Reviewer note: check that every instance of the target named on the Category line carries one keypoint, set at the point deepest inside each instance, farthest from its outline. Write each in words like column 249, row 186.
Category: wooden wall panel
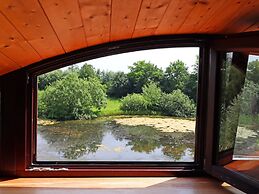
column 151, row 13
column 13, row 106
column 31, row 21
column 96, row 19
column 123, row 20
column 175, row 16
column 66, row 20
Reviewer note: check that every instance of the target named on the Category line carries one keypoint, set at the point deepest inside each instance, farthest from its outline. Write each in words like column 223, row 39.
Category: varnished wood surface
column 247, row 167
column 34, row 30
column 150, row 185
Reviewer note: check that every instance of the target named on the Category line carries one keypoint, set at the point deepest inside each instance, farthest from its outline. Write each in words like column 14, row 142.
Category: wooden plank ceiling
column 33, row 30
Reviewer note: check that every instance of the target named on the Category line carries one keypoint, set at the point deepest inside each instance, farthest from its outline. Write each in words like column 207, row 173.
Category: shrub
column 152, row 94
column 176, row 104
column 41, row 104
column 134, row 104
column 72, row 98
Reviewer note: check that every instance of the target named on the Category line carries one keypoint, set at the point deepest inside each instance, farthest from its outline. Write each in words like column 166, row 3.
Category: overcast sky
column 159, row 57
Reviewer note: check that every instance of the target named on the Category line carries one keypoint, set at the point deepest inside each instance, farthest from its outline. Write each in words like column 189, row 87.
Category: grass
column 112, row 108
column 248, row 120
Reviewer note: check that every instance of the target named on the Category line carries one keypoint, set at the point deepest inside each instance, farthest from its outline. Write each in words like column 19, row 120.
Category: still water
column 105, row 140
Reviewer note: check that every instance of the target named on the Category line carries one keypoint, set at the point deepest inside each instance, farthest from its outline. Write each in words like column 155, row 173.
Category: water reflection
column 106, row 140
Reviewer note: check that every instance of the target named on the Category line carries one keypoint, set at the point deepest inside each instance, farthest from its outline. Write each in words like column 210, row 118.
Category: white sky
column 159, row 57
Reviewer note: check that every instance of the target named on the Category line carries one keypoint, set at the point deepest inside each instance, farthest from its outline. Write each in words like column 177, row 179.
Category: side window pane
column 239, row 106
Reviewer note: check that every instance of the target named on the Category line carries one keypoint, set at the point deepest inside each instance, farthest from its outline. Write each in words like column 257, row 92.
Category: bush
column 72, row 98
column 152, row 94
column 176, row 104
column 134, row 104
column 41, row 104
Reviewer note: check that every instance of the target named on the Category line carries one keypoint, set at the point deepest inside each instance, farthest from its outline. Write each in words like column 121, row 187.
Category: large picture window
column 138, row 107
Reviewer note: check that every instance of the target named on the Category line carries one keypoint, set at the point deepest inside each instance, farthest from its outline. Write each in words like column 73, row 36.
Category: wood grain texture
column 228, row 14
column 96, row 19
column 14, row 46
column 247, row 167
column 247, row 14
column 7, row 64
column 65, row 18
column 150, row 15
column 201, row 12
column 175, row 16
column 30, row 20
column 33, row 30
column 123, row 20
column 115, row 185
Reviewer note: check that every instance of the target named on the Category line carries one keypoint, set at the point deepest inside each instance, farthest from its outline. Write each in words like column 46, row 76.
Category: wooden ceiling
column 33, row 30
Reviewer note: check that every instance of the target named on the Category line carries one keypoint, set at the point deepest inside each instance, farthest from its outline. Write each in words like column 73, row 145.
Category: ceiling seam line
column 25, row 39
column 10, row 59
column 51, row 26
column 136, row 19
column 110, row 22
column 185, row 18
column 79, row 5
column 162, row 17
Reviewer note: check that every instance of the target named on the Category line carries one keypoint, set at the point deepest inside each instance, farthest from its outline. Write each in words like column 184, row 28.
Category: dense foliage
column 239, row 100
column 72, row 98
column 177, row 104
column 76, row 93
column 134, row 104
column 154, row 101
column 142, row 73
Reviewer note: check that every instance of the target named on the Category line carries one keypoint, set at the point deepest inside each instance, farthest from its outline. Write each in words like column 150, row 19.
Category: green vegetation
column 72, row 98
column 154, row 101
column 81, row 93
column 112, row 108
column 239, row 101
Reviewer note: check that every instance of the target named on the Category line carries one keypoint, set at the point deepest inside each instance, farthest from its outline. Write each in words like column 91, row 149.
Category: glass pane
column 247, row 139
column 239, row 106
column 137, row 106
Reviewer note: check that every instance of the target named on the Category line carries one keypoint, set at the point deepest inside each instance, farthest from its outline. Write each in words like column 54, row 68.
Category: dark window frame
column 214, row 161
column 120, row 168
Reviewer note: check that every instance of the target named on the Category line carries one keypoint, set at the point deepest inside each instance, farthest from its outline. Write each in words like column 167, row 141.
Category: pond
column 107, row 139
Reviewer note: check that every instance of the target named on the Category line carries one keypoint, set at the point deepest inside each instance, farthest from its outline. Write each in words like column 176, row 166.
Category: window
column 239, row 114
column 132, row 107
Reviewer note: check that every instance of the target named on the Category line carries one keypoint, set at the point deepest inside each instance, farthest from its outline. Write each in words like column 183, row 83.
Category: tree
column 253, row 71
column 73, row 98
column 87, row 71
column 142, row 73
column 191, row 85
column 118, row 85
column 175, row 77
column 249, row 97
column 47, row 79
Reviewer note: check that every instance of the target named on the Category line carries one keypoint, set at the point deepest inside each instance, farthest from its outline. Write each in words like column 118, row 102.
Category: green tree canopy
column 253, row 71
column 73, row 98
column 47, row 79
column 87, row 71
column 118, row 85
column 142, row 73
column 191, row 85
column 175, row 77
